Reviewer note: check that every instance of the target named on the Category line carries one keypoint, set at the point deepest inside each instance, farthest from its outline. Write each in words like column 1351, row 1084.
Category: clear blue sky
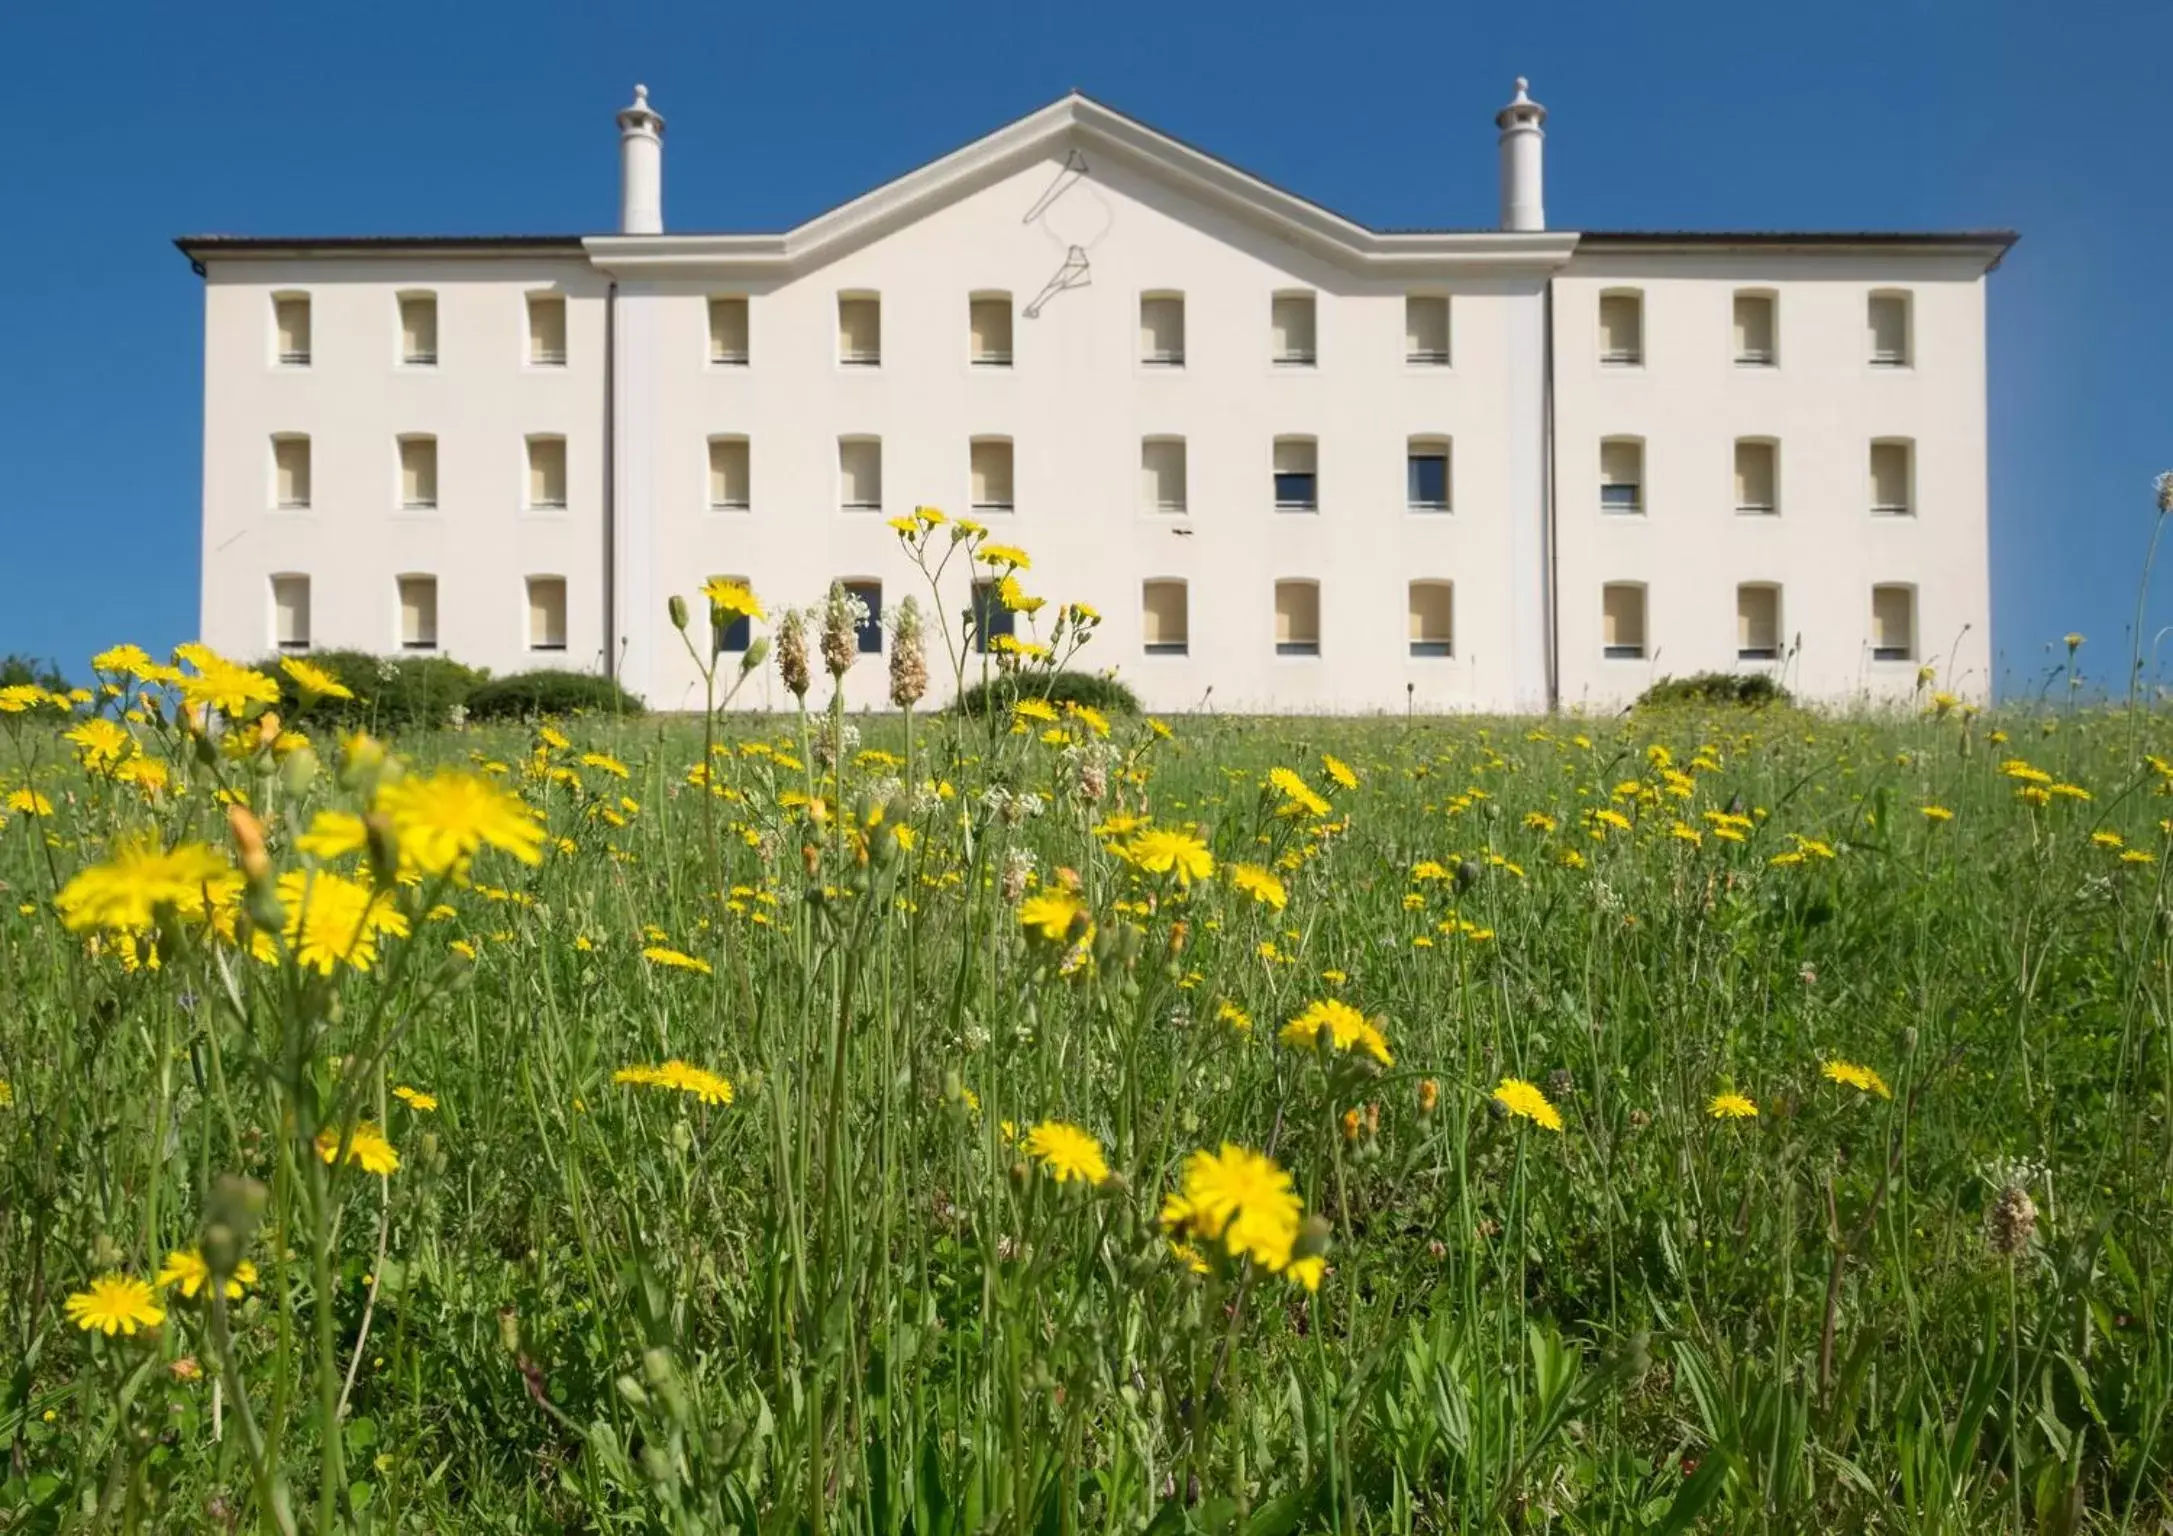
column 127, row 123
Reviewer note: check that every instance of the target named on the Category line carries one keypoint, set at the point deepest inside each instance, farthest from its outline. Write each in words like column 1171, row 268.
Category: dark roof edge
column 196, row 247
column 1997, row 241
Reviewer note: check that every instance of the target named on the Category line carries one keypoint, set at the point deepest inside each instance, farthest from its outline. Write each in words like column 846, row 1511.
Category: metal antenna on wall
column 1070, row 171
column 1074, row 273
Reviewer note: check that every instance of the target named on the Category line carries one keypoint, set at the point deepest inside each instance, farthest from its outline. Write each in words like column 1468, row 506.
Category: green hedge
column 1093, row 689
column 1750, row 690
column 526, row 695
column 405, row 693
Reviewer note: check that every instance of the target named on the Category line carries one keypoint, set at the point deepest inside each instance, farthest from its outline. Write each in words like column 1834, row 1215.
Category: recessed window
column 1622, row 329
column 419, row 330
column 1290, row 330
column 418, row 613
column 1162, row 330
column 1893, row 475
column 418, row 472
column 546, row 613
column 1893, row 623
column 1162, row 475
column 1889, row 326
column 1426, row 329
column 1622, row 620
column 547, row 474
column 290, row 326
column 989, row 460
column 731, row 478
column 1622, row 476
column 1426, row 474
column 1165, row 622
column 870, row 634
column 290, row 612
column 1757, row 622
column 860, row 474
column 1433, row 619
column 1754, row 346
column 290, row 472
column 990, row 617
column 731, row 634
column 860, row 330
column 1297, row 474
column 1757, row 476
column 1297, row 618
column 988, row 330
column 728, row 330
column 547, row 330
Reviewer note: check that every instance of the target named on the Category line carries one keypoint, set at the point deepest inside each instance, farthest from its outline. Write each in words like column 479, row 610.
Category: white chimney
column 641, row 167
column 1522, row 141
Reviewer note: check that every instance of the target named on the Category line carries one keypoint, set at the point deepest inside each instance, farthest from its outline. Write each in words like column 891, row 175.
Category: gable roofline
column 1080, row 121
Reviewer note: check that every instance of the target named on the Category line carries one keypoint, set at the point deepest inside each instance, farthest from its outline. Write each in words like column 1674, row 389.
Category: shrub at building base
column 391, row 693
column 1748, row 690
column 1093, row 689
column 526, row 695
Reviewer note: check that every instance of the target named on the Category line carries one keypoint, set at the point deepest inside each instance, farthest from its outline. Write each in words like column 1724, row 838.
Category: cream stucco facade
column 1364, row 513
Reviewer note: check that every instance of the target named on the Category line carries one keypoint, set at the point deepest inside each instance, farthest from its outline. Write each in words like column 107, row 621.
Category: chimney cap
column 1521, row 111
column 641, row 117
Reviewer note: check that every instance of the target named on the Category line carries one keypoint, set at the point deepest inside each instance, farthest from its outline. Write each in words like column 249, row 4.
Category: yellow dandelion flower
column 115, row 1304
column 1731, row 1106
column 1338, row 770
column 1179, row 853
column 1067, row 1152
column 1850, row 1075
column 1260, row 884
column 1004, row 554
column 331, row 919
column 137, row 878
column 672, row 959
column 313, row 681
column 367, row 1149
column 416, row 1099
column 186, row 1269
column 1051, row 914
column 1936, row 813
column 1332, row 1025
column 443, row 819
column 733, row 599
column 1527, row 1102
column 1035, row 709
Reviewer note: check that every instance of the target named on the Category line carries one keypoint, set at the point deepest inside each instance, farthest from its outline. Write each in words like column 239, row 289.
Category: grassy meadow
column 1732, row 1121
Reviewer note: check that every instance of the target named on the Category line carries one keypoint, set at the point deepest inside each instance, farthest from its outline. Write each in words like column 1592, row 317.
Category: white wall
column 1076, row 404
column 1824, row 403
column 355, row 400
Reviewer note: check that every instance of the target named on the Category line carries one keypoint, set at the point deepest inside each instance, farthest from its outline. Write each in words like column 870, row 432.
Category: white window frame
column 401, row 445
column 1430, row 445
column 745, row 444
column 857, row 439
column 852, row 359
column 1294, row 648
column 982, row 298
column 1908, row 504
column 1772, row 506
column 528, row 618
column 1887, row 361
column 1166, row 647
column 1163, row 359
column 1617, row 650
column 728, row 359
column 418, row 361
column 1618, row 358
column 1643, row 483
column 305, row 356
column 529, row 501
column 1422, row 648
column 1745, row 651
column 1282, row 354
column 1444, row 356
column 399, row 611
column 1908, row 650
column 530, row 356
column 974, row 448
column 1156, row 505
column 307, row 609
column 1751, row 357
column 306, row 502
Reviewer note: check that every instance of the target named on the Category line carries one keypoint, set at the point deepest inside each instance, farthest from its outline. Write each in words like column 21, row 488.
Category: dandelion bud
column 248, row 834
column 1467, row 874
column 1351, row 1121
column 267, row 728
column 1560, row 1085
column 1313, row 1234
column 1429, row 1096
column 186, row 1369
column 298, row 771
column 677, row 608
column 230, row 1216
column 792, row 654
column 384, row 849
column 509, row 1330
column 2162, row 488
column 2011, row 1222
column 755, row 654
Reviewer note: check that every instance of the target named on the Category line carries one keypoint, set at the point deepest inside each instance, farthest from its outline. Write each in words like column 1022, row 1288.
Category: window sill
column 1893, row 514
column 1758, row 655
column 418, row 645
column 1298, row 508
column 728, row 362
column 1757, row 511
column 992, row 508
column 1164, row 364
column 1622, row 364
column 292, row 508
column 1166, row 510
column 1299, row 650
column 1161, row 649
column 418, row 365
column 1432, row 650
column 1893, row 658
column 299, row 364
column 1627, row 514
column 732, row 508
column 547, row 650
column 1622, row 653
column 1299, row 363
column 1429, row 361
column 293, row 647
column 1757, row 364
column 1428, row 508
column 860, row 364
column 992, row 363
column 861, row 508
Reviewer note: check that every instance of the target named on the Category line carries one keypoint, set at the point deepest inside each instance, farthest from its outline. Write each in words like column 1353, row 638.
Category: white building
column 1296, row 463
